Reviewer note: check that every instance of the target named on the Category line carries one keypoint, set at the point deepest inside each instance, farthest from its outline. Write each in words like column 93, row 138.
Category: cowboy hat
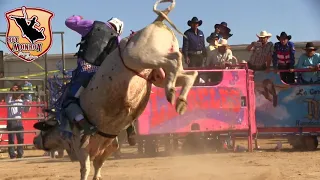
column 223, row 42
column 229, row 35
column 264, row 34
column 284, row 34
column 310, row 46
column 222, row 25
column 212, row 37
column 194, row 20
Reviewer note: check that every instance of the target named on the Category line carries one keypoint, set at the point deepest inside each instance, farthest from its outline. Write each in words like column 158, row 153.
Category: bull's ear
column 42, row 126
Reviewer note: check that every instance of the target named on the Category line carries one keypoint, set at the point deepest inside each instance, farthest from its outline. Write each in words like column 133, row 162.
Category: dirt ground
column 264, row 164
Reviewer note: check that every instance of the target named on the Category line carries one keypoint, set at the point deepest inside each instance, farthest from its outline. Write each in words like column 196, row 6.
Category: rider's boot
column 131, row 132
column 88, row 130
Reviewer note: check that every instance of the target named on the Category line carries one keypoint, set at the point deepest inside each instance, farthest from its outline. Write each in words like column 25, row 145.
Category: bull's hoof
column 181, row 106
column 171, row 95
column 97, row 178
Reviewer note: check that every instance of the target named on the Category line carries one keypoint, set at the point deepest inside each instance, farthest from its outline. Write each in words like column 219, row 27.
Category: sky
column 245, row 18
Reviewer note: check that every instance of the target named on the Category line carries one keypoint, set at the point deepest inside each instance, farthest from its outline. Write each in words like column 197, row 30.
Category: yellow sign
column 29, row 33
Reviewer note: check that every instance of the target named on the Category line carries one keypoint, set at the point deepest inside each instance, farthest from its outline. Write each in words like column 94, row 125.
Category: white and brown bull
column 120, row 90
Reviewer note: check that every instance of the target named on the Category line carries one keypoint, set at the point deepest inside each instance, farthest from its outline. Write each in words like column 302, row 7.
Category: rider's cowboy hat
column 263, row 34
column 310, row 46
column 212, row 37
column 284, row 34
column 223, row 42
column 194, row 20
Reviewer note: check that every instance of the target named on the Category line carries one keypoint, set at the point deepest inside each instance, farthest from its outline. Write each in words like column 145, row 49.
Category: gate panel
column 223, row 107
column 28, row 119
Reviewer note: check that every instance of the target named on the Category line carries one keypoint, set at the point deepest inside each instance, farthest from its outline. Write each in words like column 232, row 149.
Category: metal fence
column 39, row 105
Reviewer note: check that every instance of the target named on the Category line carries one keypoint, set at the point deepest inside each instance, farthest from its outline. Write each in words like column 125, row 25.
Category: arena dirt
column 260, row 165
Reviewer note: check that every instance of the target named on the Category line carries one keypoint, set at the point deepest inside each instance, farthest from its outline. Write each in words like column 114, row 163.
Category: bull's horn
column 162, row 15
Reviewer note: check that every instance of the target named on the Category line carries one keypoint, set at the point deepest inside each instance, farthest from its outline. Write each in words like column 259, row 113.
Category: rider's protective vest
column 98, row 43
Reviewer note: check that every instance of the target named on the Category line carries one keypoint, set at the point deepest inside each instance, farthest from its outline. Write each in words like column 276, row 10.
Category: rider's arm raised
column 79, row 25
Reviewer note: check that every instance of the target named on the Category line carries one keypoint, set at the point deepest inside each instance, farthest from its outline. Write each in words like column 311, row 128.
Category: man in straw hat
column 310, row 59
column 218, row 59
column 261, row 56
column 220, row 56
column 283, row 57
column 193, row 47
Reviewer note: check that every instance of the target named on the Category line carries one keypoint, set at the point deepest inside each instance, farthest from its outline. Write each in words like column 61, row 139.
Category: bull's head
column 49, row 137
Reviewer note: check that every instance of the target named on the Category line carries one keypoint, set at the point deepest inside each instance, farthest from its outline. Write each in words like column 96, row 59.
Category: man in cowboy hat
column 310, row 59
column 283, row 57
column 261, row 56
column 220, row 56
column 223, row 30
column 193, row 47
column 218, row 59
column 213, row 41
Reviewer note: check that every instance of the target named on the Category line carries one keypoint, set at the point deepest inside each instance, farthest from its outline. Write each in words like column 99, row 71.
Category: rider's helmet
column 117, row 23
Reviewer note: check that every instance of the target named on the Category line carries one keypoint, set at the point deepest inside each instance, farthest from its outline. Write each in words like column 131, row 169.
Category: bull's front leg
column 84, row 164
column 186, row 81
column 172, row 66
column 175, row 76
column 99, row 160
column 170, row 63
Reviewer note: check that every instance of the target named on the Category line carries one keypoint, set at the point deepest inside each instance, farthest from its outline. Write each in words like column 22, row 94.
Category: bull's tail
column 162, row 15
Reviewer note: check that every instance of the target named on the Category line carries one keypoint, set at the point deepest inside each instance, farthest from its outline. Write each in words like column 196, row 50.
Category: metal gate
column 41, row 95
column 28, row 119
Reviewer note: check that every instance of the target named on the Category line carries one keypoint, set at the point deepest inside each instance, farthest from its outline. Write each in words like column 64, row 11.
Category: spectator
column 283, row 57
column 223, row 30
column 310, row 59
column 213, row 41
column 220, row 56
column 193, row 48
column 261, row 56
column 15, row 125
column 27, row 87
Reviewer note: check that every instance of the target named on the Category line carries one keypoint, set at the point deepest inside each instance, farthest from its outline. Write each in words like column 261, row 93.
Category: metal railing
column 39, row 95
column 44, row 93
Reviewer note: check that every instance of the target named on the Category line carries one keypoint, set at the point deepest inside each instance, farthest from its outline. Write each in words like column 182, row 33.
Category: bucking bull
column 120, row 90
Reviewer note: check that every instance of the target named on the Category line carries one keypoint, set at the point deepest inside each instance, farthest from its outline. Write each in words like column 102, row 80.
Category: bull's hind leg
column 99, row 160
column 185, row 80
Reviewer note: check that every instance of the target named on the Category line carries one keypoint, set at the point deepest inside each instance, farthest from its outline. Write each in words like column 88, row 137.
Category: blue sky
column 245, row 18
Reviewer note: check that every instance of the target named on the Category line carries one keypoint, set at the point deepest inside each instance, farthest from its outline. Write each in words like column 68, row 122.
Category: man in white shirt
column 220, row 56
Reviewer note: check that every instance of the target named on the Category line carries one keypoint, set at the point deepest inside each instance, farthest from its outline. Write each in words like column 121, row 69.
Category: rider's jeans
column 71, row 103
